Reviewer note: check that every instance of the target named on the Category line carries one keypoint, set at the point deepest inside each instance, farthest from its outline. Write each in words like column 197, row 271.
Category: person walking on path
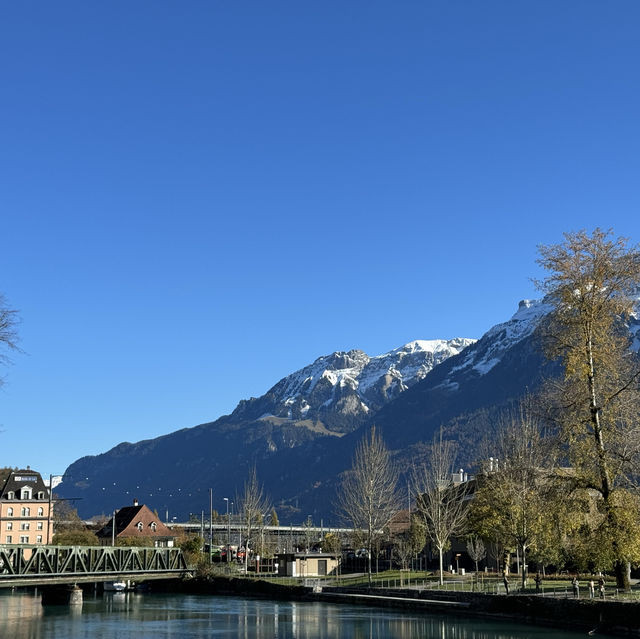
column 591, row 588
column 505, row 581
column 576, row 587
column 601, row 587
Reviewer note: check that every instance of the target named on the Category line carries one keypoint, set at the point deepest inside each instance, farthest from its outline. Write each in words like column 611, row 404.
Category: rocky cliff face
column 342, row 389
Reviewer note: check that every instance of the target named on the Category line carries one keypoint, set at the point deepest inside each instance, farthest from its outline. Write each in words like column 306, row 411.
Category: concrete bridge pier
column 63, row 595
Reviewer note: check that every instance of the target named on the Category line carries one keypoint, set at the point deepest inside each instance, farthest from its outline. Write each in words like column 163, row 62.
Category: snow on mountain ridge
column 498, row 339
column 412, row 361
column 353, row 382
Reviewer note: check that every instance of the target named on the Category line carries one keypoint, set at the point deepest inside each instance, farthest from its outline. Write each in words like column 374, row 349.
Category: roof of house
column 400, row 522
column 127, row 520
column 18, row 479
column 307, row 555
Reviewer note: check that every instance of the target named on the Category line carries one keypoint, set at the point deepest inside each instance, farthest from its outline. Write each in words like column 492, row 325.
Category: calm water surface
column 129, row 615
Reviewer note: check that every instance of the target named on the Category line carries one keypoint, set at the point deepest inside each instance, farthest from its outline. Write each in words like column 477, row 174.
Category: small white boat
column 115, row 586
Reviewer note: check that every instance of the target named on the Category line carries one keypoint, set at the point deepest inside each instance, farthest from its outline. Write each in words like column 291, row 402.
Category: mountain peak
column 342, row 388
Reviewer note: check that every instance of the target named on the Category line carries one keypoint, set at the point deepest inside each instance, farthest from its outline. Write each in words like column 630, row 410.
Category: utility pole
column 228, row 532
column 113, row 529
column 210, row 522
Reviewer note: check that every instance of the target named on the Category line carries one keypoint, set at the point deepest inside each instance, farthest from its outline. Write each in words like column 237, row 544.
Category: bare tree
column 476, row 549
column 409, row 543
column 441, row 502
column 8, row 332
column 253, row 506
column 368, row 497
column 593, row 284
column 68, row 528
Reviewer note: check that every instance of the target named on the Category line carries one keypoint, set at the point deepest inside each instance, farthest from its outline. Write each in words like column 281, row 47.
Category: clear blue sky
column 198, row 198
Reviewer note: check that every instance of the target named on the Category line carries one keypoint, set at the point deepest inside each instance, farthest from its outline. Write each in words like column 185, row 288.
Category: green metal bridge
column 56, row 565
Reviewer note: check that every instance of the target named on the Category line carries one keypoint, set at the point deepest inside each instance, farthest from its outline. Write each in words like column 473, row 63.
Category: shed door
column 322, row 566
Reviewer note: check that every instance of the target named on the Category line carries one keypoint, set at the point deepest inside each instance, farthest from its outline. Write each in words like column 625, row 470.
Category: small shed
column 307, row 564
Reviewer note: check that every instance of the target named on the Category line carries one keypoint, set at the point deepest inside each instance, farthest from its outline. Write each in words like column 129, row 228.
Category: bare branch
column 368, row 496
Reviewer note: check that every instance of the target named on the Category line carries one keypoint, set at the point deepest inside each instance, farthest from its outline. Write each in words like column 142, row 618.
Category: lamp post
column 50, row 513
column 228, row 531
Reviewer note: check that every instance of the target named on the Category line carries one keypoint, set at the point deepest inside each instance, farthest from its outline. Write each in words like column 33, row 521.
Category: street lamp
column 228, row 530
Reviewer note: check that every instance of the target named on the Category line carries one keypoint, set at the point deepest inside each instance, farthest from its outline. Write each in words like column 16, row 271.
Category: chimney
column 135, row 502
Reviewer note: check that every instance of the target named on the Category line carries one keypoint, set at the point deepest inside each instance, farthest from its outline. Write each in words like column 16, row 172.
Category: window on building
column 40, row 495
column 140, row 526
column 40, row 526
column 153, row 526
column 40, row 511
column 38, row 539
column 26, row 512
column 11, row 495
column 26, row 493
column 9, row 525
column 24, row 539
column 25, row 525
column 9, row 539
column 9, row 512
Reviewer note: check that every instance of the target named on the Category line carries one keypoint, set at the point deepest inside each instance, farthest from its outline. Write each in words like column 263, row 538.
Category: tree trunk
column 441, row 566
column 622, row 578
column 369, row 560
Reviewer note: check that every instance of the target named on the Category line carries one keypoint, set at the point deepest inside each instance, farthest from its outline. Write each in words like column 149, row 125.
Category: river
column 149, row 615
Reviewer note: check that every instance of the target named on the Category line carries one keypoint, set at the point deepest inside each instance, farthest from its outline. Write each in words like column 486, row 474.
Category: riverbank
column 589, row 615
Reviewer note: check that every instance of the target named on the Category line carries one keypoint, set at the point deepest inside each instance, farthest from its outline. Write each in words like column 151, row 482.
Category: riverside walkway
column 58, row 565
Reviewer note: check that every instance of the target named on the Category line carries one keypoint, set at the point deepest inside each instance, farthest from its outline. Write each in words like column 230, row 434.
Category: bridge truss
column 85, row 563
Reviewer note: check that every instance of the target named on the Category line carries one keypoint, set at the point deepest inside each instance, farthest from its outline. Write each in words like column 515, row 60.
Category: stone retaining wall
column 605, row 617
column 611, row 617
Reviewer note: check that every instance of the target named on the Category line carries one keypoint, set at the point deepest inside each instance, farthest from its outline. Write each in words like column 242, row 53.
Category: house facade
column 26, row 509
column 136, row 522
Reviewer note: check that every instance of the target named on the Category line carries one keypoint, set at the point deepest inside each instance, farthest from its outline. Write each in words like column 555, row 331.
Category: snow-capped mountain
column 342, row 386
column 466, row 394
column 282, row 431
column 302, row 432
column 497, row 341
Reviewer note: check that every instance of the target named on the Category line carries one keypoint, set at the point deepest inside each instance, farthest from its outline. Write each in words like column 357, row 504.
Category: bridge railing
column 75, row 560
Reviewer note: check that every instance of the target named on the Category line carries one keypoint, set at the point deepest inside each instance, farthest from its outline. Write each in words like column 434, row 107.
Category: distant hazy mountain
column 327, row 399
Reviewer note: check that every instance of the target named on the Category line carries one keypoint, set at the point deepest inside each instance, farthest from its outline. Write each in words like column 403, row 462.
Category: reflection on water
column 124, row 615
